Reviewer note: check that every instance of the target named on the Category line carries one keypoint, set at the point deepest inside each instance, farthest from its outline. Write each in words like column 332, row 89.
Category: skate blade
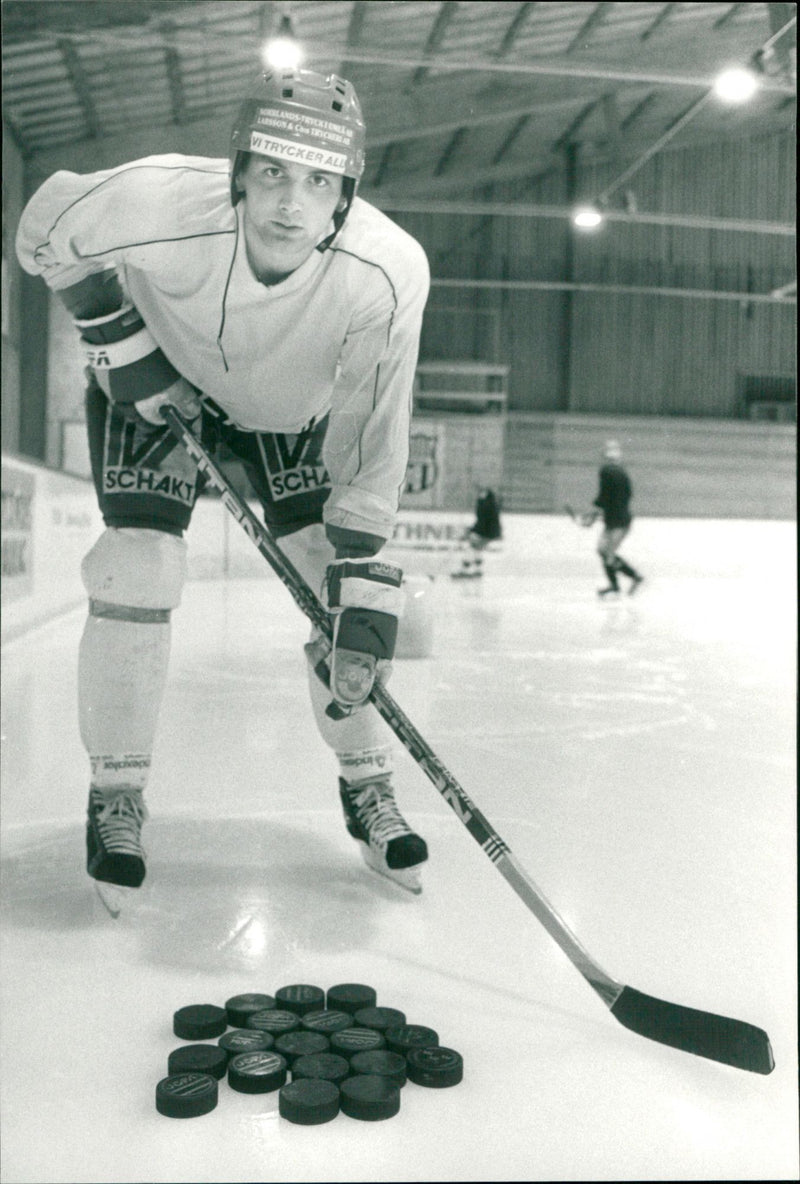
column 408, row 878
column 114, row 897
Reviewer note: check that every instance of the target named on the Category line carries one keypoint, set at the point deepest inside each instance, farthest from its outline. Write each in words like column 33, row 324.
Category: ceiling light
column 282, row 51
column 282, row 54
column 735, row 85
column 587, row 218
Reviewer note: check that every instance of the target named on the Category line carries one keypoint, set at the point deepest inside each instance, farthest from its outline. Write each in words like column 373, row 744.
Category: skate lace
column 119, row 821
column 377, row 811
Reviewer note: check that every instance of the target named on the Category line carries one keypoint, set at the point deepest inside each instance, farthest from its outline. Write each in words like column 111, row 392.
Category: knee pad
column 135, row 569
column 415, row 628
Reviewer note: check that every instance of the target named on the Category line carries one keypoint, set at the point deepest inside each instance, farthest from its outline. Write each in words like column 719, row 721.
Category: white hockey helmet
column 612, row 450
column 306, row 117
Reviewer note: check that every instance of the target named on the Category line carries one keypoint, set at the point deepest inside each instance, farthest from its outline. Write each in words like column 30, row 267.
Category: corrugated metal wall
column 625, row 354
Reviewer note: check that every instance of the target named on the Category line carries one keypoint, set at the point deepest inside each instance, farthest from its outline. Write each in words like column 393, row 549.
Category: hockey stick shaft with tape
column 732, row 1042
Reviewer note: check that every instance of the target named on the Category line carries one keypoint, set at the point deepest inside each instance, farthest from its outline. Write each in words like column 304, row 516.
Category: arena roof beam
column 513, row 30
column 444, row 17
column 499, row 209
column 173, row 65
column 355, row 27
column 723, row 20
column 81, row 85
column 516, row 129
column 553, row 69
column 455, row 141
column 566, row 136
column 661, row 19
column 594, row 19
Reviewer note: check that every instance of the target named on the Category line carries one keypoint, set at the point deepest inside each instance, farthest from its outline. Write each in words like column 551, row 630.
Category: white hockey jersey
column 339, row 335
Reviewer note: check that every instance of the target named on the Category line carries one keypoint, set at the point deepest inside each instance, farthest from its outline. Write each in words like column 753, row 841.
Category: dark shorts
column 145, row 478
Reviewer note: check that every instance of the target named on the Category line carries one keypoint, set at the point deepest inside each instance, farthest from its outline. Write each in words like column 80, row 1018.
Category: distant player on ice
column 281, row 314
column 613, row 503
column 485, row 529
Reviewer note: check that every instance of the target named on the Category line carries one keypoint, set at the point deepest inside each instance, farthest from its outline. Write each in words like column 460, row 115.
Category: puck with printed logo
column 300, row 1044
column 325, row 1065
column 276, row 1022
column 327, row 1021
column 382, row 1063
column 410, row 1036
column 434, row 1067
column 257, row 1072
column 351, row 997
column 300, row 998
column 199, row 1021
column 241, row 1006
column 353, row 1040
column 369, row 1097
column 379, row 1018
column 245, row 1040
column 308, row 1101
column 186, row 1095
column 198, row 1058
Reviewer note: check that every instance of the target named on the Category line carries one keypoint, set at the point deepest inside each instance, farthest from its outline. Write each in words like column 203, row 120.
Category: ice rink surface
column 639, row 759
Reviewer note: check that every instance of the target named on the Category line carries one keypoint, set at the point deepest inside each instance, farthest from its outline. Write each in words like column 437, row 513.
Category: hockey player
column 485, row 529
column 613, row 503
column 281, row 314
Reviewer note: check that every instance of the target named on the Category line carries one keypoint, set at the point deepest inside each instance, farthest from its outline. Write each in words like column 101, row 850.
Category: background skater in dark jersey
column 613, row 503
column 485, row 529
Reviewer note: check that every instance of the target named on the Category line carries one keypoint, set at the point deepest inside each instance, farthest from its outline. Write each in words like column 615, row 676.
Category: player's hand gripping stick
column 365, row 599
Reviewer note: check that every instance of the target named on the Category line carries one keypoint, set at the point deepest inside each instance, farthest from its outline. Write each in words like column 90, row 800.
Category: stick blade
column 732, row 1042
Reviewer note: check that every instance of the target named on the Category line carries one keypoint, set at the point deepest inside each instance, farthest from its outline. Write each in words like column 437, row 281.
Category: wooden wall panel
column 631, row 354
column 680, row 468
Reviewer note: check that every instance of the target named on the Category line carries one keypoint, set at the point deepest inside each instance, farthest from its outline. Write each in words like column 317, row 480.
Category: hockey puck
column 300, row 1044
column 275, row 1022
column 327, row 1021
column 353, row 1040
column 379, row 1018
column 186, row 1095
column 325, row 1065
column 257, row 1072
column 245, row 1040
column 350, row 997
column 241, row 1006
column 381, row 1062
column 199, row 1021
column 410, row 1036
column 369, row 1098
column 300, row 998
column 434, row 1067
column 198, row 1058
column 308, row 1101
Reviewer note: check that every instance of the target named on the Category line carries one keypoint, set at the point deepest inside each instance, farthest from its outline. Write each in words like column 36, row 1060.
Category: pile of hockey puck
column 326, row 1053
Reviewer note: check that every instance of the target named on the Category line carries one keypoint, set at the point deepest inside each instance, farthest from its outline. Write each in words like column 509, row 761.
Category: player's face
column 287, row 209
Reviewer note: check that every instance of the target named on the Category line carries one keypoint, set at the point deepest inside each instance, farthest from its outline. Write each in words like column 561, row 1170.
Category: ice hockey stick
column 716, row 1037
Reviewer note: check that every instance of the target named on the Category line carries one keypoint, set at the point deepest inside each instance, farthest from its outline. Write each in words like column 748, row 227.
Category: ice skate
column 611, row 590
column 388, row 844
column 635, row 582
column 114, row 852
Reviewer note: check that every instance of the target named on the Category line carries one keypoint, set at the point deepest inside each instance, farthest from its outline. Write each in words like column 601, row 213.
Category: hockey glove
column 365, row 600
column 126, row 360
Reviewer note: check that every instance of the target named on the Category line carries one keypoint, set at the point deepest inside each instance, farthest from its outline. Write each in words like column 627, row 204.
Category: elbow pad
column 125, row 357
